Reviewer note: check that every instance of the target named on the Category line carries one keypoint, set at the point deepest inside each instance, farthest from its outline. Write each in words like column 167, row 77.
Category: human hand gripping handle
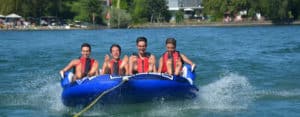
column 61, row 72
column 194, row 66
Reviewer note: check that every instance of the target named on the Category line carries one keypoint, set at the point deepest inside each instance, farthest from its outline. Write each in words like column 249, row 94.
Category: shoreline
column 153, row 25
column 210, row 24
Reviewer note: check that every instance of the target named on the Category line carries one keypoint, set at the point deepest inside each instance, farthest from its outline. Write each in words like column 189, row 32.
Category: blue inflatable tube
column 139, row 88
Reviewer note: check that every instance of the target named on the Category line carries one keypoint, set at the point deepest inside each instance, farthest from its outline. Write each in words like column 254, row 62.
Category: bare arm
column 185, row 59
column 105, row 64
column 103, row 68
column 160, row 65
column 125, row 64
column 68, row 67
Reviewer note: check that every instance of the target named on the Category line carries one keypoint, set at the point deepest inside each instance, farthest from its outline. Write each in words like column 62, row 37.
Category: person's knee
column 125, row 58
column 169, row 62
column 179, row 63
column 133, row 58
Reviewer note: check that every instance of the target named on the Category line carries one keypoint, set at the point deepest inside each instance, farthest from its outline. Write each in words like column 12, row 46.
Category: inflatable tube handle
column 66, row 80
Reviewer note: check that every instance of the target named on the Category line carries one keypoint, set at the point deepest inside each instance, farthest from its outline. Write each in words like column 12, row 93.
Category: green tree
column 179, row 16
column 217, row 8
column 277, row 11
column 157, row 11
column 119, row 18
column 87, row 10
column 124, row 4
column 139, row 12
column 93, row 8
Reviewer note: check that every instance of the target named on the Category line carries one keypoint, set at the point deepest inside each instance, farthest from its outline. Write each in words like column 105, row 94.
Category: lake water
column 242, row 71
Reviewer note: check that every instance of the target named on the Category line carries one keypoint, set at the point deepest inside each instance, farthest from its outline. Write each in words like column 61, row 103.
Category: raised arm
column 125, row 64
column 105, row 65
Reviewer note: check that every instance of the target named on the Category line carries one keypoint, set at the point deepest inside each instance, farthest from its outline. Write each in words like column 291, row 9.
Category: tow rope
column 124, row 79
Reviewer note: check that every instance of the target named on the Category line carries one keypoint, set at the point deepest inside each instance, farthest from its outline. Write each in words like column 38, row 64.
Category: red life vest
column 114, row 69
column 86, row 65
column 143, row 63
column 174, row 56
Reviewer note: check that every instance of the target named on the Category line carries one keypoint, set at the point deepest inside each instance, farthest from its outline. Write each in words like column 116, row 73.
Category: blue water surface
column 242, row 71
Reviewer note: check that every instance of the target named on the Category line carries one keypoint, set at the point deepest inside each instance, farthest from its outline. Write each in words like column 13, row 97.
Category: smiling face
column 170, row 47
column 85, row 52
column 115, row 52
column 141, row 45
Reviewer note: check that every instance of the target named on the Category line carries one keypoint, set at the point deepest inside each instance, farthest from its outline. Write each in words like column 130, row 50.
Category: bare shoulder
column 75, row 61
column 95, row 61
column 182, row 55
column 152, row 56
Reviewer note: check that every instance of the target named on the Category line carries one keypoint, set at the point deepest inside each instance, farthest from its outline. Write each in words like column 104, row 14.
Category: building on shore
column 192, row 8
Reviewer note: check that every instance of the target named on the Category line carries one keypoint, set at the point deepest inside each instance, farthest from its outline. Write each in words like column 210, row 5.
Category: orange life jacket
column 143, row 63
column 174, row 56
column 115, row 65
column 86, row 65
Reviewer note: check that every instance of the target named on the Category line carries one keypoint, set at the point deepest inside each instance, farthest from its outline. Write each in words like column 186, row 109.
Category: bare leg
column 78, row 74
column 124, row 70
column 160, row 64
column 132, row 64
column 169, row 66
column 152, row 67
column 178, row 67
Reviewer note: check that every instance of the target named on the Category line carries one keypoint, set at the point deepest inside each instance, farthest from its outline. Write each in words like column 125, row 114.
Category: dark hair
column 86, row 45
column 144, row 39
column 171, row 41
column 115, row 45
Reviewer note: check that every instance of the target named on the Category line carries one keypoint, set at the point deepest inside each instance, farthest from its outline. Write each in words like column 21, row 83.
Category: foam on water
column 49, row 96
column 230, row 92
column 45, row 93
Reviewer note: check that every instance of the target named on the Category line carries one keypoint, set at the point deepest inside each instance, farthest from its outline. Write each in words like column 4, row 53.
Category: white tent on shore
column 2, row 16
column 13, row 15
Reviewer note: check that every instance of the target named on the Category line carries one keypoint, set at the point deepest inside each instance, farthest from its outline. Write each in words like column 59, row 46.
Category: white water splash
column 45, row 93
column 49, row 96
column 231, row 92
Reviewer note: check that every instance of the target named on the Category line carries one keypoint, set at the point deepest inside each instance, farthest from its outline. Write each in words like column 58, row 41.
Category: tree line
column 278, row 11
column 93, row 11
column 84, row 10
column 126, row 12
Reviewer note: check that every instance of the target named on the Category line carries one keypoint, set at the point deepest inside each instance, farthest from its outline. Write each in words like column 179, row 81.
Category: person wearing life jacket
column 83, row 66
column 171, row 61
column 142, row 61
column 115, row 66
